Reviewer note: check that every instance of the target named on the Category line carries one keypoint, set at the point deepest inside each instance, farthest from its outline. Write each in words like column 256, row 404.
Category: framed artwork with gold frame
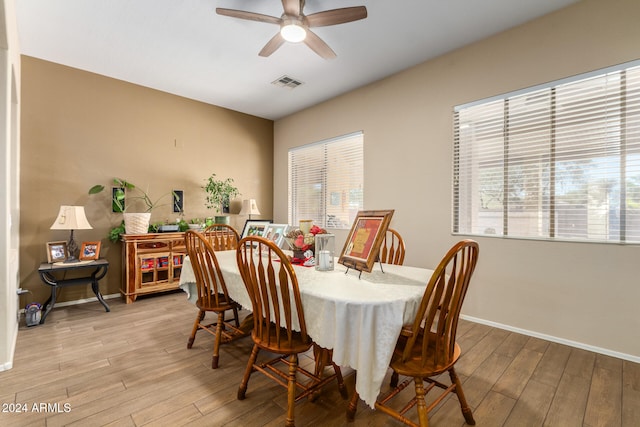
column 362, row 247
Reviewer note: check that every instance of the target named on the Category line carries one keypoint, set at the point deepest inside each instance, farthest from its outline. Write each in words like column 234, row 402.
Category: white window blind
column 555, row 162
column 326, row 181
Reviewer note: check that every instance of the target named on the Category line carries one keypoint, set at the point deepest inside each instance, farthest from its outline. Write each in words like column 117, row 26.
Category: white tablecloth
column 359, row 318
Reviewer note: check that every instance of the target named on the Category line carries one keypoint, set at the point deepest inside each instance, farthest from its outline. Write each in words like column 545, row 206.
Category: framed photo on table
column 362, row 247
column 57, row 251
column 254, row 227
column 89, row 251
column 276, row 233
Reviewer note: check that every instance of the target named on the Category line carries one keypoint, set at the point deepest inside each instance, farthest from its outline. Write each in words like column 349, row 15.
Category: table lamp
column 249, row 207
column 71, row 218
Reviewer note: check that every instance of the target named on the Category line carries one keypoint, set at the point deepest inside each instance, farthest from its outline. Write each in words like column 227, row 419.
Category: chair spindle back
column 273, row 288
column 437, row 318
column 212, row 290
column 392, row 250
column 222, row 237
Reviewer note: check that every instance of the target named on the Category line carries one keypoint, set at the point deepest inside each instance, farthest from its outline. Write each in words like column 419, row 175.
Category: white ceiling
column 183, row 47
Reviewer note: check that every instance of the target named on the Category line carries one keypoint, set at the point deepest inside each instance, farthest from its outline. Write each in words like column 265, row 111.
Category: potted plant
column 134, row 223
column 219, row 195
column 196, row 224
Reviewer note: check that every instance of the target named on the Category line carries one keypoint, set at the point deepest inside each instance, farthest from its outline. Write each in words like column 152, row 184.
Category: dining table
column 358, row 315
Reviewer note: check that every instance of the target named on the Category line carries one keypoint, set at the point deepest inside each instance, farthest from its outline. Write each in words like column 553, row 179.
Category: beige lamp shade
column 249, row 207
column 71, row 218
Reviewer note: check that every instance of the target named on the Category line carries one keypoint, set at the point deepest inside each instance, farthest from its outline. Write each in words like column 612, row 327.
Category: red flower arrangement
column 301, row 242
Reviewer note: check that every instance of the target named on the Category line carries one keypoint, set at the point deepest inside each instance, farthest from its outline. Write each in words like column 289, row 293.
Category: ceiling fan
column 294, row 25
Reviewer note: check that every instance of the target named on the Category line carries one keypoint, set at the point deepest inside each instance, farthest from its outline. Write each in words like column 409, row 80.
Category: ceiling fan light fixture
column 292, row 31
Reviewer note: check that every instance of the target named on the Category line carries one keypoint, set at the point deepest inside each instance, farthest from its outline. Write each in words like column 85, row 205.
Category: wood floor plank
column 493, row 410
column 512, row 345
column 532, row 405
column 114, row 374
column 581, row 363
column 630, row 393
column 604, row 406
column 478, row 385
column 552, row 365
column 177, row 418
column 515, row 377
column 475, row 355
column 569, row 403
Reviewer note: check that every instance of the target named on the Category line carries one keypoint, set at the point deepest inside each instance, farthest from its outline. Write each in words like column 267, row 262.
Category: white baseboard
column 81, row 301
column 551, row 338
column 85, row 300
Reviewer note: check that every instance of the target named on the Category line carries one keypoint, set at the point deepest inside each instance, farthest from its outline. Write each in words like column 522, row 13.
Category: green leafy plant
column 115, row 232
column 124, row 187
column 183, row 225
column 219, row 192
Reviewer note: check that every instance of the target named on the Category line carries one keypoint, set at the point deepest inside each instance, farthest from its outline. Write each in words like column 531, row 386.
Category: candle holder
column 325, row 244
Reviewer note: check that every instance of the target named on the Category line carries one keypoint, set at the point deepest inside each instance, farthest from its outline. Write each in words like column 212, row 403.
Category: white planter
column 137, row 223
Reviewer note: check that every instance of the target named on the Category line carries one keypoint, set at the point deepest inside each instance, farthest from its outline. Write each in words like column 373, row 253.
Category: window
column 326, row 181
column 557, row 162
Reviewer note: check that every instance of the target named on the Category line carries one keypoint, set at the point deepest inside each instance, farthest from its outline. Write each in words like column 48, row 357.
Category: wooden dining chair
column 222, row 237
column 392, row 249
column 427, row 347
column 279, row 324
column 212, row 295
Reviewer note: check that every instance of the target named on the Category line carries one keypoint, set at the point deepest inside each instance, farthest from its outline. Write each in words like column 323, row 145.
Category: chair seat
column 416, row 365
column 298, row 343
column 224, row 304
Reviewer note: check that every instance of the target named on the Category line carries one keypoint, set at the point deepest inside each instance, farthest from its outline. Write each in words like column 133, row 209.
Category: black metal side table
column 48, row 275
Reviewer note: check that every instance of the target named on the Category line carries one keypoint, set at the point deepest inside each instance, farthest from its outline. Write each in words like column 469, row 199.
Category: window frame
column 327, row 194
column 594, row 154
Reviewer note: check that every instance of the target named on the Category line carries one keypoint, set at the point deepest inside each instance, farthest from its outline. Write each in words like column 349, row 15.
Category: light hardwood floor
column 131, row 367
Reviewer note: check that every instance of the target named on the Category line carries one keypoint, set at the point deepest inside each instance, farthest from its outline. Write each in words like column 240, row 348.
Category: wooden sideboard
column 151, row 263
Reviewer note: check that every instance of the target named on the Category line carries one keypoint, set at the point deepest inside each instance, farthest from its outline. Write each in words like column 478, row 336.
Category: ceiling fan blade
column 272, row 45
column 251, row 16
column 337, row 16
column 318, row 45
column 292, row 7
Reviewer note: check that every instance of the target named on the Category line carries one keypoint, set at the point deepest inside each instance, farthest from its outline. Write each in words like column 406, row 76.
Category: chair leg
column 242, row 390
column 464, row 406
column 291, row 390
column 192, row 338
column 235, row 315
column 423, row 414
column 216, row 344
column 352, row 407
column 341, row 387
column 394, row 379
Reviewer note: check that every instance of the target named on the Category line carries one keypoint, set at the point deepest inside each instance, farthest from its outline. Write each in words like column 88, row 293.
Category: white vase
column 137, row 223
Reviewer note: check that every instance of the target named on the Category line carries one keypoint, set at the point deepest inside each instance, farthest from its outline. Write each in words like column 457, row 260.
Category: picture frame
column 276, row 233
column 362, row 247
column 57, row 251
column 89, row 251
column 254, row 227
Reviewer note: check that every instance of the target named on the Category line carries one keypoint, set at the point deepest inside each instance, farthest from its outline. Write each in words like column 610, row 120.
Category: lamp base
column 72, row 249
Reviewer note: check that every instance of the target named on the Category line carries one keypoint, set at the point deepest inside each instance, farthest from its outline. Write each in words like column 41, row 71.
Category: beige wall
column 81, row 129
column 584, row 294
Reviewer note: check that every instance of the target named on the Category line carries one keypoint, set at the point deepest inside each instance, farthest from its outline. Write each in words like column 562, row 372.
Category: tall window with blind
column 556, row 162
column 326, row 181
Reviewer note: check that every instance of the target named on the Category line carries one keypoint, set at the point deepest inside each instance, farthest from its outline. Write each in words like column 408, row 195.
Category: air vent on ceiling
column 286, row 81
